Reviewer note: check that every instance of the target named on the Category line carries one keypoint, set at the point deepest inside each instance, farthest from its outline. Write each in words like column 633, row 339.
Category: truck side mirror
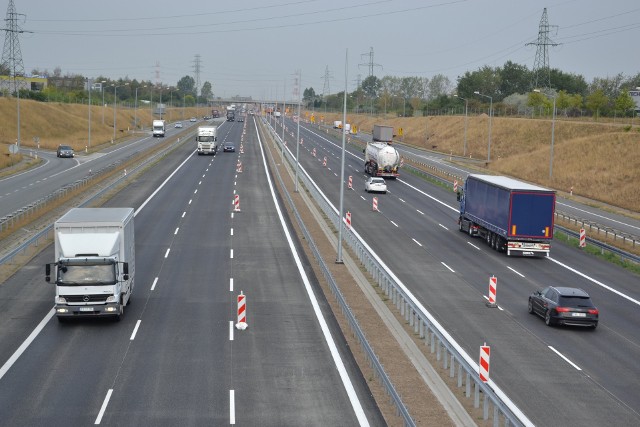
column 458, row 196
column 125, row 270
column 47, row 272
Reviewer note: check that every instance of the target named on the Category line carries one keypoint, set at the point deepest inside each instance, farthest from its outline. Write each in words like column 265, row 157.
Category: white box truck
column 94, row 267
column 158, row 128
column 207, row 140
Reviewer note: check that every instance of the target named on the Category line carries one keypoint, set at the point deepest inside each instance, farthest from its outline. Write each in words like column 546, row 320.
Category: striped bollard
column 375, row 204
column 314, row 152
column 239, row 166
column 583, row 238
column 301, row 141
column 493, row 284
column 348, row 219
column 241, row 149
column 324, row 162
column 483, row 368
column 242, row 312
column 350, row 182
column 236, row 203
column 455, row 185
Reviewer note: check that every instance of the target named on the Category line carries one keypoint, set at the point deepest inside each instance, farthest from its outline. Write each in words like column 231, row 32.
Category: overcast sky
column 252, row 47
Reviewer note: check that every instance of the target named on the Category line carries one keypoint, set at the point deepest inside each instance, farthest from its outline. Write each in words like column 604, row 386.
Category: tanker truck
column 380, row 158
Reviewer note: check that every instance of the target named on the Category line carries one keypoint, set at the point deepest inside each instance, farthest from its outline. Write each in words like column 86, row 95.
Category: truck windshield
column 87, row 274
column 206, row 138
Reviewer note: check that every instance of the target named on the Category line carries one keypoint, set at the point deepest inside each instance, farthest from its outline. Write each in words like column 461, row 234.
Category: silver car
column 376, row 184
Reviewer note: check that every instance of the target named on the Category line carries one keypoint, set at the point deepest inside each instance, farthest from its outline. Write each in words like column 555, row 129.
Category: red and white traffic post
column 239, row 166
column 348, row 219
column 493, row 284
column 375, row 204
column 324, row 161
column 483, row 366
column 314, row 152
column 236, row 203
column 242, row 312
column 583, row 238
column 455, row 185
column 350, row 182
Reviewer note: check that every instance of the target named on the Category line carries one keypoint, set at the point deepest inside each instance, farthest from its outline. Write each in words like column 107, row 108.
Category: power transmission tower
column 196, row 72
column 157, row 73
column 541, row 69
column 370, row 64
column 11, row 54
column 326, row 89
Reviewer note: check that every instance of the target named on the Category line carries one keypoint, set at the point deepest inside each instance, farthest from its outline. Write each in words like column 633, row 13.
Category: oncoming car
column 376, row 184
column 564, row 306
column 229, row 146
column 64, row 151
column 193, row 119
column 178, row 125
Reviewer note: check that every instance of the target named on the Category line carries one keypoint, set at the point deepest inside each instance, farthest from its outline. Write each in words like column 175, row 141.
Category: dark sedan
column 564, row 306
column 64, row 151
column 229, row 146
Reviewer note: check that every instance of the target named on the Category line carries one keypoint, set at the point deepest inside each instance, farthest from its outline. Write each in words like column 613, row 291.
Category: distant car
column 229, row 146
column 193, row 119
column 376, row 184
column 241, row 119
column 564, row 306
column 206, row 118
column 178, row 125
column 64, row 151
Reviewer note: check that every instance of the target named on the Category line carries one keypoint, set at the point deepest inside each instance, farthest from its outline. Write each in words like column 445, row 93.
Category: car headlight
column 111, row 298
column 61, row 300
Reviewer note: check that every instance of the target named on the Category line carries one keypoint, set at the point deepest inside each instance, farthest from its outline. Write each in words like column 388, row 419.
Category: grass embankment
column 601, row 161
column 54, row 124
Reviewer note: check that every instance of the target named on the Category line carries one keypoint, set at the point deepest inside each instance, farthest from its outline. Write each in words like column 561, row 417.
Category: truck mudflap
column 536, row 249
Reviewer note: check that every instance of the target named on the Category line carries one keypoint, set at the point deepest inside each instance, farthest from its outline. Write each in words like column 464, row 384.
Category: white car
column 376, row 184
column 178, row 125
column 192, row 119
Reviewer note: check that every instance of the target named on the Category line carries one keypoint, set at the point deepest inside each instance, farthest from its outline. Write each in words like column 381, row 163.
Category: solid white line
column 104, row 406
column 231, row 284
column 232, row 407
column 183, row 214
column 176, row 232
column 231, row 330
column 167, row 253
column 519, row 274
column 609, row 288
column 565, row 359
column 393, row 223
column 450, row 269
column 32, row 336
column 419, row 211
column 418, row 243
column 443, row 227
column 469, row 243
column 153, row 286
column 231, row 254
column 598, row 215
column 135, row 330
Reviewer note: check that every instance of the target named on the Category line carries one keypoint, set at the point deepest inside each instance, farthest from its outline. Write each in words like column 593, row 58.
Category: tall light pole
column 466, row 120
column 115, row 101
column 553, row 130
column 103, row 106
column 490, row 119
column 135, row 108
column 89, row 87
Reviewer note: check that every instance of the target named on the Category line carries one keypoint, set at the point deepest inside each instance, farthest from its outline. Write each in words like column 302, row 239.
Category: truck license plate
column 86, row 308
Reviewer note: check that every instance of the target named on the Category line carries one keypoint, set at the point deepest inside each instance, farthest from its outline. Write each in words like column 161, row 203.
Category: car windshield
column 206, row 138
column 377, row 181
column 102, row 274
column 65, row 147
column 575, row 302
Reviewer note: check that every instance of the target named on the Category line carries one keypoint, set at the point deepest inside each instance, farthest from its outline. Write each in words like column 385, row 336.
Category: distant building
column 635, row 95
column 23, row 83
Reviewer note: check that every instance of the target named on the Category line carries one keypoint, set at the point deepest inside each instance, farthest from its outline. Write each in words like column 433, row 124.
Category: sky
column 255, row 47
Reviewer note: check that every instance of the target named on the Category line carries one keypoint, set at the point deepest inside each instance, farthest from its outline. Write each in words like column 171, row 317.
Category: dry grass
column 55, row 123
column 601, row 161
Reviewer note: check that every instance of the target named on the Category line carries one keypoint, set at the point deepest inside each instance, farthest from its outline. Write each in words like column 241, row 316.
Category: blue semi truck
column 511, row 216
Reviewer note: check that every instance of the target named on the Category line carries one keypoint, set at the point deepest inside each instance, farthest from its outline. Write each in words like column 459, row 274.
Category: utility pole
column 326, row 89
column 370, row 65
column 541, row 70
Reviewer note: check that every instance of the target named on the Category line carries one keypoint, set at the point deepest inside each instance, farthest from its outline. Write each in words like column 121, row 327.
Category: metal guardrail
column 401, row 409
column 453, row 357
column 35, row 240
column 608, row 232
column 600, row 245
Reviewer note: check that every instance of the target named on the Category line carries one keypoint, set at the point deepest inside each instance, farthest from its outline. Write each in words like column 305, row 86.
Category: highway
column 565, row 376
column 176, row 357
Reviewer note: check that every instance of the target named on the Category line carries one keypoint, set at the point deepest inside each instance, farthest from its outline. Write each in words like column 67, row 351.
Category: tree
column 189, row 100
column 371, row 86
column 597, row 101
column 309, row 96
column 187, row 85
column 514, row 78
column 438, row 85
column 207, row 91
column 624, row 102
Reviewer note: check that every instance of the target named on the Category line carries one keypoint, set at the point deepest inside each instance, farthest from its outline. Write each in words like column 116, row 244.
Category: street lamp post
column 89, row 87
column 115, row 101
column 490, row 119
column 135, row 108
column 553, row 130
column 466, row 120
column 102, row 89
